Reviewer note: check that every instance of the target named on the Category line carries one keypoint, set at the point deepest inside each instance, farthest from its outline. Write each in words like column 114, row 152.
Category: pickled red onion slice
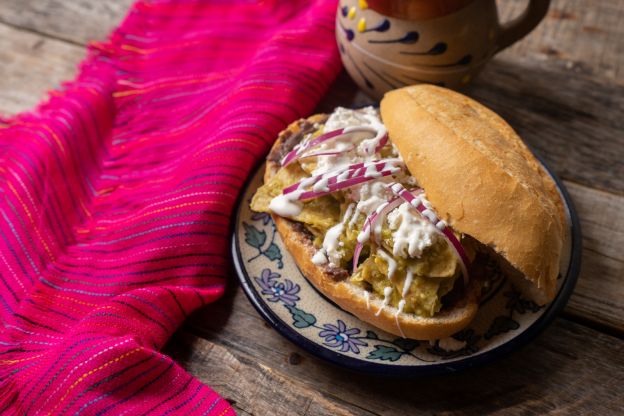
column 440, row 225
column 347, row 177
column 337, row 186
column 345, row 171
column 369, row 226
column 329, row 153
column 299, row 151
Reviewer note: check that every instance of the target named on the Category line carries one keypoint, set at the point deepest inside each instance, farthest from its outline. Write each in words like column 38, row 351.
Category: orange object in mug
column 386, row 44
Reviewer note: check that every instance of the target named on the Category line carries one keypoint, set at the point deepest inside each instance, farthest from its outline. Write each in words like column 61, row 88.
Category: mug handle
column 523, row 24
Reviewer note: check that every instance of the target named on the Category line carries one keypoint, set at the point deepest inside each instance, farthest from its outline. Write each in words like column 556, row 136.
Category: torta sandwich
column 397, row 214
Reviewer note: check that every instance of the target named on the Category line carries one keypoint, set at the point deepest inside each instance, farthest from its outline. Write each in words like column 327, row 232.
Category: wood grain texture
column 580, row 36
column 75, row 21
column 31, row 65
column 569, row 369
column 587, row 40
column 599, row 292
column 567, row 105
column 252, row 387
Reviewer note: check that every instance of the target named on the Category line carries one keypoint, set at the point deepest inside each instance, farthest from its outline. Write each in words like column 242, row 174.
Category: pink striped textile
column 117, row 196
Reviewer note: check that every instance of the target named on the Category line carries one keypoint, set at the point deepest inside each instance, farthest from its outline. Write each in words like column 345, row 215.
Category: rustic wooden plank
column 31, row 65
column 599, row 294
column 574, row 122
column 75, row 21
column 569, row 369
column 592, row 303
column 251, row 387
column 581, row 36
column 602, row 218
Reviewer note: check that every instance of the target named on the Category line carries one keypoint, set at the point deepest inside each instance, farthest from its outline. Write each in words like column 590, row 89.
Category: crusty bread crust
column 351, row 297
column 481, row 178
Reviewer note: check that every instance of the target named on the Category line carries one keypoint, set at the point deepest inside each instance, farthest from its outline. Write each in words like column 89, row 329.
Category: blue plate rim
column 410, row 371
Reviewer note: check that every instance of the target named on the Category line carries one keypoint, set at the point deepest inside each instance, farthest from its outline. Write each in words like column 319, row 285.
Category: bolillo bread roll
column 480, row 179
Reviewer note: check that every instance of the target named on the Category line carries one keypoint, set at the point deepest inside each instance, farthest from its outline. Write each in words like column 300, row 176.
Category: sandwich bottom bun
column 352, row 299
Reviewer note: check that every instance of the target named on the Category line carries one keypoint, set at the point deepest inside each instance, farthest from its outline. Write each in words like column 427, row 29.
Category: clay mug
column 386, row 44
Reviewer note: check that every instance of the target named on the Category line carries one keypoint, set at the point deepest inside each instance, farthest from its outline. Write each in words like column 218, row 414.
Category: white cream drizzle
column 348, row 213
column 345, row 118
column 396, row 316
column 412, row 234
column 430, row 215
column 322, row 185
column 409, row 276
column 330, row 250
column 371, row 194
column 355, row 217
column 364, row 235
column 392, row 264
column 379, row 221
column 331, row 244
column 387, row 294
column 319, row 258
column 367, row 297
column 287, row 205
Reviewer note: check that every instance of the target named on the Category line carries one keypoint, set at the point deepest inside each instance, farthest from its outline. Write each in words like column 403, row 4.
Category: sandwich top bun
column 480, row 178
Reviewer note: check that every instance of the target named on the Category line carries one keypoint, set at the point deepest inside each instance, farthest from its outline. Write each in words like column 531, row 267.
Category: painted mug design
column 446, row 46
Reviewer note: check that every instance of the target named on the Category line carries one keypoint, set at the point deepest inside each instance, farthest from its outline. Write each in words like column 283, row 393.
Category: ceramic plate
column 280, row 293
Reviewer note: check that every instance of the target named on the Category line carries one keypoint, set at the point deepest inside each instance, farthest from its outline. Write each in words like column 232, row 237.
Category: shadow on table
column 522, row 380
column 216, row 315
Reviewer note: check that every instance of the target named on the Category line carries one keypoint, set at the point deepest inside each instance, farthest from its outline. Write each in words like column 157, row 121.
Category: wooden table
column 562, row 88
